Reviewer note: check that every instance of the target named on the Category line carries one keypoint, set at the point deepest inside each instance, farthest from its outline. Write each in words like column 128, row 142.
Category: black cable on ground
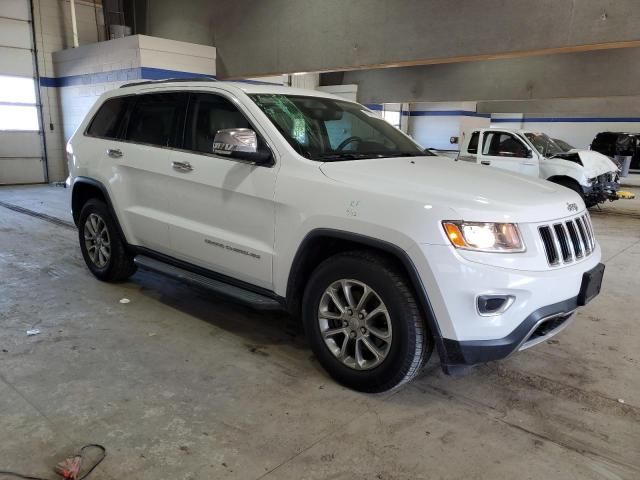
column 103, row 454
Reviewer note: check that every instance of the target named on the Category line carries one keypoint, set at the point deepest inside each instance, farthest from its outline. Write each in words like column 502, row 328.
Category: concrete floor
column 177, row 384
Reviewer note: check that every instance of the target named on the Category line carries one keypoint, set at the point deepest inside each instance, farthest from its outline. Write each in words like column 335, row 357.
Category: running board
column 247, row 297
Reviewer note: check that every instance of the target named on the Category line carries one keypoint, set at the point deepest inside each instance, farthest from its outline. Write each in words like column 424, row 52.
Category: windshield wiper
column 336, row 157
column 406, row 154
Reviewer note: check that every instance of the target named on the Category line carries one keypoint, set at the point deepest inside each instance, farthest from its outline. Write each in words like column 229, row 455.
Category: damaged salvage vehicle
column 281, row 198
column 590, row 174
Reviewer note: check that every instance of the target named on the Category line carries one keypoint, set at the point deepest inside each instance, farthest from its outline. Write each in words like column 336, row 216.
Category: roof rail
column 169, row 80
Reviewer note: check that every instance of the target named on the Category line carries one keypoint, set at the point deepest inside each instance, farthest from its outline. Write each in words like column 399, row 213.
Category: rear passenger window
column 207, row 115
column 107, row 122
column 157, row 119
column 473, row 143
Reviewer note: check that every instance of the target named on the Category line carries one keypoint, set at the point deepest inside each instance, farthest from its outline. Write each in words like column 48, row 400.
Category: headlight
column 484, row 237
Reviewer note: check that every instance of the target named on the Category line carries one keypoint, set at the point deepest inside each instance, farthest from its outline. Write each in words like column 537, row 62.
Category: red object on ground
column 69, row 467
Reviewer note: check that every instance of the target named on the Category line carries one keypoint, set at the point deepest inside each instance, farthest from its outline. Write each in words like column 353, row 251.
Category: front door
column 506, row 151
column 223, row 209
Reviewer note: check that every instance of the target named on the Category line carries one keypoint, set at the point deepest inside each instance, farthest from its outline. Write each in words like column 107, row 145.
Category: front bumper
column 602, row 191
column 541, row 325
column 544, row 301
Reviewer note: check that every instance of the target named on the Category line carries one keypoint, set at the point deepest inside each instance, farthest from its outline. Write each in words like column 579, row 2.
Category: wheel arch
column 83, row 190
column 564, row 178
column 322, row 243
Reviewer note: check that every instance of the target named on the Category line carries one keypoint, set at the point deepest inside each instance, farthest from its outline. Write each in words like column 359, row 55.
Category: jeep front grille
column 568, row 241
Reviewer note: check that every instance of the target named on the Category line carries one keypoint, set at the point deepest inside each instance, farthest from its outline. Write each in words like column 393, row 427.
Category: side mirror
column 241, row 143
column 529, row 153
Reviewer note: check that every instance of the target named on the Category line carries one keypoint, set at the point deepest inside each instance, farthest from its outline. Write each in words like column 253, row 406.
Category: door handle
column 114, row 152
column 485, row 162
column 182, row 166
column 528, row 163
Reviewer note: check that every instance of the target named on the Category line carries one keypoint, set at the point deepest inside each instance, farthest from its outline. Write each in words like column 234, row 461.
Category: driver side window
column 207, row 114
column 502, row 144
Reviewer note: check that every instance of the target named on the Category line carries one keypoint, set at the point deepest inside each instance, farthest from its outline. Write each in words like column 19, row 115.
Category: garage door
column 21, row 152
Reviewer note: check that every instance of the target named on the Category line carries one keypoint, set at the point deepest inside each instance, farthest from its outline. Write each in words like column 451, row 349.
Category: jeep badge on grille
column 572, row 207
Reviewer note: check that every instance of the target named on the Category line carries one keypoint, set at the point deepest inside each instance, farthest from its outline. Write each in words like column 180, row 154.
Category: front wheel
column 575, row 186
column 102, row 247
column 363, row 322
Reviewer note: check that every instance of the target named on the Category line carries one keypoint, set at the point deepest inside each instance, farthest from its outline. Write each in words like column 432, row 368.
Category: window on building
column 18, row 108
column 392, row 112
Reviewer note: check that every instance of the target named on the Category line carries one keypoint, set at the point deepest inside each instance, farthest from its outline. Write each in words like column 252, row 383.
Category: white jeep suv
column 295, row 199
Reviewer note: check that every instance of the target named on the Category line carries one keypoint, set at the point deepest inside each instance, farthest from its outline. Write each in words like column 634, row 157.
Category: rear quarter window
column 473, row 143
column 107, row 122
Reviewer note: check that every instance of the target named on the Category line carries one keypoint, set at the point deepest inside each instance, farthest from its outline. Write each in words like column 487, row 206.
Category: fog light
column 494, row 304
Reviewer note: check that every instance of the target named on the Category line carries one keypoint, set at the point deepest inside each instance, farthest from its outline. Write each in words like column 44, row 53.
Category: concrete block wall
column 52, row 21
column 80, row 75
column 83, row 74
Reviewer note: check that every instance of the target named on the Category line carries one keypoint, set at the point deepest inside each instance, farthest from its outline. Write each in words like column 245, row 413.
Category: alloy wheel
column 97, row 240
column 355, row 324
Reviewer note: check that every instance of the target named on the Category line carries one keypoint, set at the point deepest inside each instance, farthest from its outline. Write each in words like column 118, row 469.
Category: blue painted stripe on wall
column 374, row 106
column 121, row 75
column 151, row 73
column 129, row 74
column 567, row 120
column 447, row 113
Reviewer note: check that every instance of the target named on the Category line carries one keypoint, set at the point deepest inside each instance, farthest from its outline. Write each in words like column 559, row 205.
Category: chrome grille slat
column 583, row 247
column 562, row 243
column 572, row 247
column 583, row 236
column 557, row 243
column 589, row 227
column 568, row 241
column 549, row 245
column 575, row 238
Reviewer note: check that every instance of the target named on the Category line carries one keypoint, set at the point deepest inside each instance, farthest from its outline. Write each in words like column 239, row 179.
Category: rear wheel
column 102, row 247
column 363, row 322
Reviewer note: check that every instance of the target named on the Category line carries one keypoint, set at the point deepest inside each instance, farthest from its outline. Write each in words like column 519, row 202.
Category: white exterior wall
column 349, row 92
column 83, row 74
column 310, row 81
column 578, row 132
column 52, row 19
column 113, row 63
column 433, row 124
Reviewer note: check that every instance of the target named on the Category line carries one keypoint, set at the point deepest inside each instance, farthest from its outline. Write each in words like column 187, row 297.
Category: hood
column 594, row 163
column 474, row 192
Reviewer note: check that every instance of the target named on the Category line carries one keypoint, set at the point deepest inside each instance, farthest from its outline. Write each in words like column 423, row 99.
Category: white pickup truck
column 592, row 175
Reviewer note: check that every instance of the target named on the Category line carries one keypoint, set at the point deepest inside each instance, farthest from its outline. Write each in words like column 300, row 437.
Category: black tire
column 119, row 265
column 411, row 344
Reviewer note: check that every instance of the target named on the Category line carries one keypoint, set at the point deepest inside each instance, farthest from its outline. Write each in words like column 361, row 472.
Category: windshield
column 544, row 144
column 325, row 129
column 563, row 145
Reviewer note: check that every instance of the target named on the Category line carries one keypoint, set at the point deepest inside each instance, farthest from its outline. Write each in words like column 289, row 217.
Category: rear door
column 222, row 209
column 140, row 166
column 507, row 151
